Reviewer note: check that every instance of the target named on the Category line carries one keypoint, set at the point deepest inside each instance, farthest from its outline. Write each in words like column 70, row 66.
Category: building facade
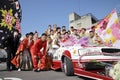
column 85, row 21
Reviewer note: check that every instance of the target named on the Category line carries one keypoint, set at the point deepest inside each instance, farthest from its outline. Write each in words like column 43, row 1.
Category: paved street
column 30, row 75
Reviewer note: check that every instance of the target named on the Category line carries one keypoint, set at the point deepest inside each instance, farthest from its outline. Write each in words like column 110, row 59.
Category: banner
column 109, row 29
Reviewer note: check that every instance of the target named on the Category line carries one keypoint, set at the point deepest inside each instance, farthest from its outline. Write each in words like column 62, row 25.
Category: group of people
column 83, row 37
column 30, row 51
column 32, row 48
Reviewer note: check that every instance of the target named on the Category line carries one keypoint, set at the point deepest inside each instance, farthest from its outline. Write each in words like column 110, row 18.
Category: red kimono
column 23, row 45
column 36, row 53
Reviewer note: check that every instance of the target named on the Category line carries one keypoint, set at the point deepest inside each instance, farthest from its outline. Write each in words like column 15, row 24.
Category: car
column 90, row 62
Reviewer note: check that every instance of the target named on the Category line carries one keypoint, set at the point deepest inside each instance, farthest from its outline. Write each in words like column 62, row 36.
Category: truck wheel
column 68, row 67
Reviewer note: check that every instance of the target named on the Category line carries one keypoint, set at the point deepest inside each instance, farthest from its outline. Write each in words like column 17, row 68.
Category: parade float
column 91, row 62
column 95, row 62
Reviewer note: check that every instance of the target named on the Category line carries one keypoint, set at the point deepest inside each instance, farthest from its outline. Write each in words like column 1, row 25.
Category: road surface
column 31, row 75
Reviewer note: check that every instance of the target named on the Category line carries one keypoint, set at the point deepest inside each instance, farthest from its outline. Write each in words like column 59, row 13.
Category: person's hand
column 35, row 57
column 16, row 54
column 5, row 48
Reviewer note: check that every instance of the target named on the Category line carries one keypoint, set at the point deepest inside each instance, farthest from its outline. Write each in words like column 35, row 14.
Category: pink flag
column 109, row 29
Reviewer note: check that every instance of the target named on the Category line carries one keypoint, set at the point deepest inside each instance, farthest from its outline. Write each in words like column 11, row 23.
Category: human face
column 52, row 32
column 72, row 29
column 49, row 27
column 91, row 34
column 55, row 28
column 36, row 35
column 75, row 31
column 66, row 34
column 63, row 28
column 43, row 38
column 63, row 32
column 58, row 35
column 49, row 40
column 59, row 30
column 83, row 31
column 30, row 37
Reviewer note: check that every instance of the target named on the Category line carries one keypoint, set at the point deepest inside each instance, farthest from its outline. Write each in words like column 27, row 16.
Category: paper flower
column 8, row 19
column 115, row 71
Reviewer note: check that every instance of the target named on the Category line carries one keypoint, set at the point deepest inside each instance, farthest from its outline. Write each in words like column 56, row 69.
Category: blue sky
column 38, row 14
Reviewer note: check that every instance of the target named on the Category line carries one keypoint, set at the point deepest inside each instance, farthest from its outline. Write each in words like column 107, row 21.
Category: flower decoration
column 115, row 71
column 8, row 19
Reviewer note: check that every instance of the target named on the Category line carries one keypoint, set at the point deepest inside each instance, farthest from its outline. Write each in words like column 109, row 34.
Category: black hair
column 91, row 31
column 83, row 29
column 58, row 28
column 31, row 33
column 93, row 27
column 43, row 34
column 27, row 34
column 49, row 25
column 71, row 27
column 51, row 30
column 68, row 30
column 65, row 33
column 75, row 29
column 16, row 31
column 63, row 30
column 36, row 32
column 58, row 33
column 63, row 26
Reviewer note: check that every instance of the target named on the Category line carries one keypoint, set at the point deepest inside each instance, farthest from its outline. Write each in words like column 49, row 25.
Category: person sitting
column 98, row 40
column 56, row 40
column 49, row 46
column 75, row 34
column 71, row 29
column 52, row 34
column 83, row 33
column 94, row 39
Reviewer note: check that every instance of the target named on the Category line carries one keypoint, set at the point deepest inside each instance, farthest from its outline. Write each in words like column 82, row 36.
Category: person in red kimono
column 35, row 36
column 22, row 60
column 38, row 50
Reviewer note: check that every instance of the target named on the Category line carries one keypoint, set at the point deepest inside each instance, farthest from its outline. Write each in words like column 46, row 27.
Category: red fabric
column 46, row 63
column 15, row 61
column 23, row 45
column 35, row 51
column 36, row 58
column 39, row 45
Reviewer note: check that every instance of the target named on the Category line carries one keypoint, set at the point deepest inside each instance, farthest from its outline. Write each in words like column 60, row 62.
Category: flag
column 109, row 29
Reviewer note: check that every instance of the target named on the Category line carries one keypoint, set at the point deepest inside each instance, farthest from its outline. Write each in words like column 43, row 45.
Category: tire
column 67, row 67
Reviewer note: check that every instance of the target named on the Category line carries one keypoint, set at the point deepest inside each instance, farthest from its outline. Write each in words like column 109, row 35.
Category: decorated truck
column 90, row 62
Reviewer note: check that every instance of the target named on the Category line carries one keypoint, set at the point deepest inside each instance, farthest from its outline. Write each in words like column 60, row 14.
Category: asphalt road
column 30, row 75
